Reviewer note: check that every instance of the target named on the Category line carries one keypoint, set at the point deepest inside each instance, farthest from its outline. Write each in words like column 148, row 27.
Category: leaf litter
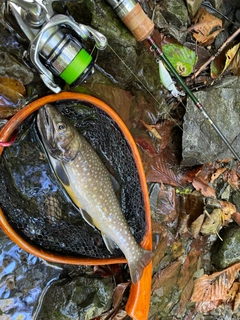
column 181, row 239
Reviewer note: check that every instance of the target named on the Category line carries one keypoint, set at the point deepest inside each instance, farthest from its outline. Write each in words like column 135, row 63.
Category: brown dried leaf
column 228, row 209
column 232, row 178
column 152, row 129
column 233, row 291
column 159, row 252
column 217, row 174
column 164, row 129
column 207, row 306
column 167, row 277
column 236, row 217
column 196, row 226
column 215, row 287
column 120, row 100
column 118, row 294
column 144, row 141
column 235, row 66
column 12, row 89
column 200, row 184
column 106, row 271
column 237, row 299
column 212, row 223
column 204, row 28
column 160, row 171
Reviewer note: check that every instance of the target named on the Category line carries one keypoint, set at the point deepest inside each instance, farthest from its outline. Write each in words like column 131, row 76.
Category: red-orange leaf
column 216, row 286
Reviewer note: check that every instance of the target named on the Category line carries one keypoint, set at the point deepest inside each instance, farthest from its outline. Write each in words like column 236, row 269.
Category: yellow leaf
column 11, row 89
column 152, row 129
column 230, row 55
column 212, row 223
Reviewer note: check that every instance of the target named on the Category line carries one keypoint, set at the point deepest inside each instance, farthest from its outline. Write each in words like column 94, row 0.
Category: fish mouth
column 45, row 124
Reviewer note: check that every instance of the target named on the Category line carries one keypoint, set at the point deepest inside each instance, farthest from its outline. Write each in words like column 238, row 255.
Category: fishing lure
column 167, row 80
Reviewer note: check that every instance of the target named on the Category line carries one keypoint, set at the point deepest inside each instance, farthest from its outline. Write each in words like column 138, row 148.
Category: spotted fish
column 87, row 182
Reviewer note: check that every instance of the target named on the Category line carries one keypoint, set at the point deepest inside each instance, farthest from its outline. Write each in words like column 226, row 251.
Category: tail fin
column 136, row 267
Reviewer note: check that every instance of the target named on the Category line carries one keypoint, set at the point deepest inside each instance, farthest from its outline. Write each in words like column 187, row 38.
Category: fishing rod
column 142, row 27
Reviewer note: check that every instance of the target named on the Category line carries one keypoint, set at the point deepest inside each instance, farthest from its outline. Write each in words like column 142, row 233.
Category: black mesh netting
column 35, row 204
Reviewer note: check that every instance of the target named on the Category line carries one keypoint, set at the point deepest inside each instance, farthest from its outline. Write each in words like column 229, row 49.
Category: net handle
column 139, row 298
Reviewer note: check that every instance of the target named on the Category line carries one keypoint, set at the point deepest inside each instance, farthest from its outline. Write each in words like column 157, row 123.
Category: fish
column 87, row 182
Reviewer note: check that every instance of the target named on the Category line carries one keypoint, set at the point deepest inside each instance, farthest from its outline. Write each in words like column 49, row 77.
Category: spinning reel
column 56, row 46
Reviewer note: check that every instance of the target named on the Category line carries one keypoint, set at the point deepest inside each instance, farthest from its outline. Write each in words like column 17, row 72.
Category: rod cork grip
column 138, row 23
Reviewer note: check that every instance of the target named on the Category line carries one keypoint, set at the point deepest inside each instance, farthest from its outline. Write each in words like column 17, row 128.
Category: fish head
column 59, row 136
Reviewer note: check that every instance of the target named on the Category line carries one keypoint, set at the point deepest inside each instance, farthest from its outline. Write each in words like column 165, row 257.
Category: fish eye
column 61, row 127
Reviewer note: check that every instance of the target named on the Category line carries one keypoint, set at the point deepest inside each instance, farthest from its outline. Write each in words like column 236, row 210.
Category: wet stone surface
column 226, row 252
column 82, row 298
column 22, row 279
column 10, row 67
column 201, row 144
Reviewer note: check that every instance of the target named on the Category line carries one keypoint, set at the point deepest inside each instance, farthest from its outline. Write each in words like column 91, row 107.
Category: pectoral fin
column 60, row 171
column 110, row 244
column 62, row 176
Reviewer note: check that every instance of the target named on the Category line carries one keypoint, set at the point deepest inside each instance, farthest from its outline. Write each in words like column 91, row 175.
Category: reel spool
column 60, row 241
column 56, row 42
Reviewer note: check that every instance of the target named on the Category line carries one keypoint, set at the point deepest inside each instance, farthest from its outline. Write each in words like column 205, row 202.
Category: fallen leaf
column 159, row 253
column 212, row 223
column 204, row 28
column 118, row 99
column 118, row 294
column 228, row 209
column 144, row 141
column 236, row 217
column 216, row 286
column 222, row 61
column 12, row 89
column 207, row 306
column 196, row 226
column 106, row 271
column 200, row 184
column 235, row 66
column 233, row 292
column 158, row 170
column 165, row 129
column 233, row 179
column 182, row 58
column 152, row 129
column 167, row 277
column 237, row 299
column 217, row 174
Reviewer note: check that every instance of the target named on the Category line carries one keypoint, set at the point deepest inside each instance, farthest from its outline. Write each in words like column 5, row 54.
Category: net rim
column 12, row 125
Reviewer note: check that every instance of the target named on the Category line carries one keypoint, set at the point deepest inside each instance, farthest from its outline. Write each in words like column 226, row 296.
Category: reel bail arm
column 56, row 42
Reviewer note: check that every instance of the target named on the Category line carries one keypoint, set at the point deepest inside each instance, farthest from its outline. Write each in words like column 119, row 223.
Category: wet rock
column 12, row 68
column 172, row 16
column 124, row 62
column 200, row 142
column 218, row 4
column 193, row 6
column 236, row 199
column 82, row 298
column 120, row 41
column 22, row 278
column 226, row 252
